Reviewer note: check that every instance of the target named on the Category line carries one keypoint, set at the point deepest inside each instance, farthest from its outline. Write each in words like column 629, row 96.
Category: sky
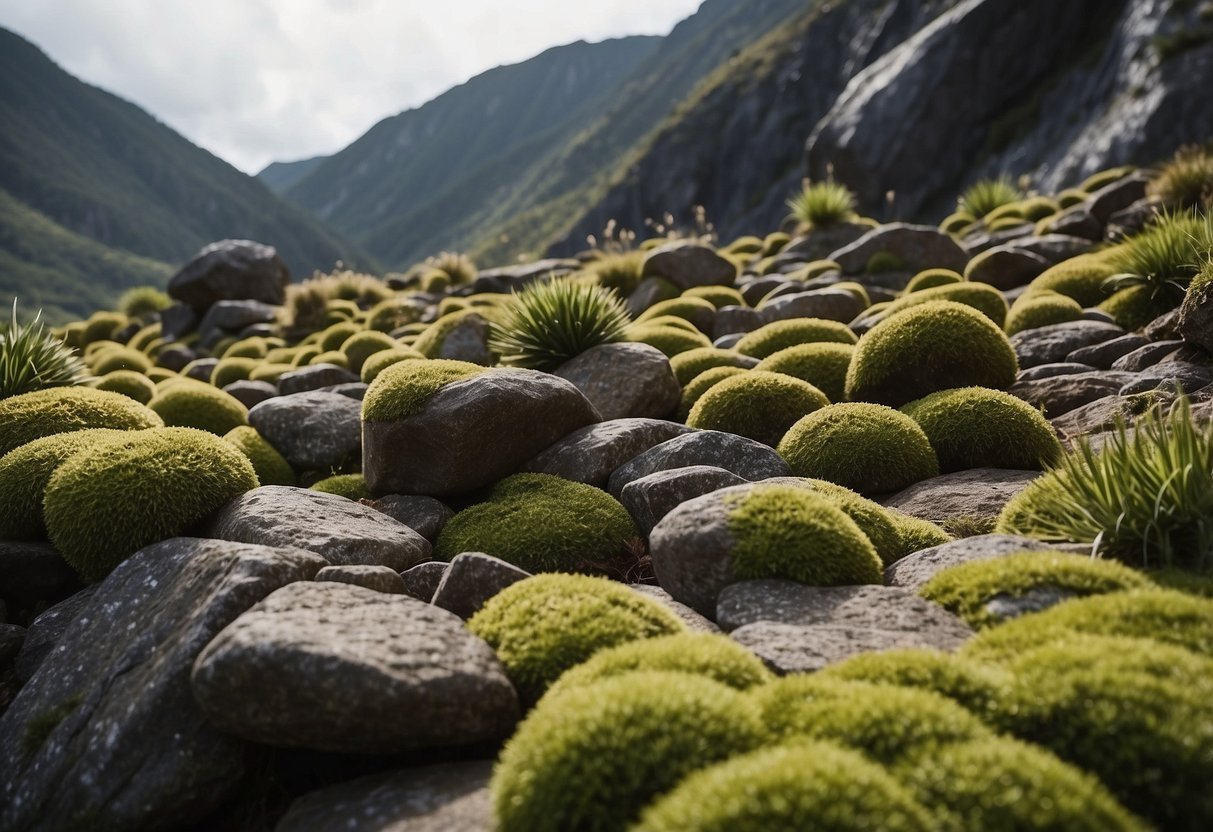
column 256, row 81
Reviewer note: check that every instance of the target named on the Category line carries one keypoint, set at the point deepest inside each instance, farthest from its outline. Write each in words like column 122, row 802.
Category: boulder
column 829, row 304
column 1195, row 321
column 1117, row 196
column 1145, row 356
column 471, row 579
column 107, row 734
column 313, row 377
column 591, row 453
column 1105, row 353
column 918, row 247
column 336, row 667
column 793, row 648
column 231, row 270
column 819, row 243
column 624, row 381
column 1053, row 343
column 977, row 492
column 377, row 578
column 736, row 320
column 1006, row 267
column 652, row 497
column 422, row 580
column 746, row 458
column 229, row 316
column 345, row 533
column 313, row 431
column 1076, row 221
column 47, row 629
column 1061, row 394
column 689, row 264
column 915, row 570
column 1055, row 248
column 694, row 621
column 250, row 393
column 424, row 515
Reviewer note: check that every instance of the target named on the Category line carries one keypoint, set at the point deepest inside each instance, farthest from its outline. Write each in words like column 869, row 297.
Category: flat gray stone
column 377, row 578
column 471, row 579
column 1060, row 368
column 590, row 454
column 422, row 580
column 313, row 377
column 625, row 381
column 1053, row 343
column 1006, row 267
column 977, row 492
column 746, row 458
column 1095, row 417
column 250, row 393
column 1102, row 355
column 1146, row 356
column 1170, row 374
column 828, row 304
column 424, row 515
column 1061, row 394
column 451, row 797
column 736, row 321
column 336, row 667
column 692, row 551
column 651, row 498
column 689, row 264
column 918, row 247
column 314, row 431
column 915, row 570
column 791, row 648
column 235, row 315
column 344, row 532
column 131, row 748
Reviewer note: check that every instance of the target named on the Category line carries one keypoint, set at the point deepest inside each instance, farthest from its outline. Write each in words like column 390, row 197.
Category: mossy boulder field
column 874, row 492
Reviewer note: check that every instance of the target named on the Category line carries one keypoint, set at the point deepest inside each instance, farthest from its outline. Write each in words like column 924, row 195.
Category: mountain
column 280, row 177
column 98, row 195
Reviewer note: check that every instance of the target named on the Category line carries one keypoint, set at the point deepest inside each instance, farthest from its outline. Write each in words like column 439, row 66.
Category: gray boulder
column 231, row 270
column 313, row 431
column 918, row 247
column 226, row 316
column 624, row 381
column 250, row 393
column 828, row 304
column 1053, row 343
column 591, row 453
column 689, row 264
column 313, row 377
column 471, row 579
column 422, row 580
column 694, row 621
column 1006, row 267
column 652, row 497
column 746, row 458
column 424, row 515
column 1146, row 356
column 32, row 572
column 915, row 570
column 794, row 648
column 977, row 492
column 1103, row 354
column 377, row 578
column 47, row 629
column 1060, row 368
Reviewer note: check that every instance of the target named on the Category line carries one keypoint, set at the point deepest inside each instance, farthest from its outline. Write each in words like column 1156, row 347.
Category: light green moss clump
column 592, row 758
column 975, row 427
column 271, row 466
column 799, row 786
column 1041, row 308
column 915, row 534
column 933, row 346
column 874, row 520
column 544, row 625
column 671, row 340
column 25, row 471
column 361, row 346
column 693, row 391
column 235, row 368
column 402, row 389
column 196, row 405
column 822, row 364
column 379, row 361
column 1000, row 785
column 780, row 335
column 129, row 383
column 350, row 486
column 969, row 588
column 758, row 405
column 1080, row 278
column 783, row 531
column 867, row 448
column 102, row 325
column 119, row 358
column 985, row 299
column 972, row 685
column 1136, row 306
column 335, row 357
column 334, row 336
column 31, row 416
column 687, row 365
column 698, row 311
column 105, row 503
column 718, row 296
column 541, row 523
column 715, row 656
column 930, row 278
column 254, row 347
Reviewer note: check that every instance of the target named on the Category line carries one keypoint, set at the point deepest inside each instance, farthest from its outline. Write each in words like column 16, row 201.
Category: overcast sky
column 256, row 81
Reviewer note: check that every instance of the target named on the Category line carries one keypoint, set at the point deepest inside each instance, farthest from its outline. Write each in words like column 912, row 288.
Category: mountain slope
column 280, row 177
column 103, row 169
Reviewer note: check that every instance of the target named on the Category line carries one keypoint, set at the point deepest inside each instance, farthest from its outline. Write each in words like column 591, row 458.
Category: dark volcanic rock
column 746, row 458
column 471, row 579
column 231, row 270
column 313, row 431
column 46, row 630
column 1053, row 343
column 250, row 393
column 591, row 453
column 107, row 734
column 31, row 572
column 1006, row 267
column 1103, row 354
column 313, row 377
column 624, row 380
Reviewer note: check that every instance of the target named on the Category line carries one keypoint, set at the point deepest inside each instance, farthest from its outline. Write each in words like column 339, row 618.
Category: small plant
column 1187, row 180
column 33, row 359
column 988, row 194
column 822, row 204
column 1146, row 497
column 143, row 300
column 549, row 322
column 1165, row 256
column 458, row 267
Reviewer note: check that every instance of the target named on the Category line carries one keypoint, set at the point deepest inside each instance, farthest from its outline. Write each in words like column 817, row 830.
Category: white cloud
column 255, row 81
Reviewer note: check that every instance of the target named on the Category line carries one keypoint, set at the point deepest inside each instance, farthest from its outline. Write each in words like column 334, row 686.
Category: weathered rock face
column 107, row 734
column 977, row 492
column 915, row 570
column 591, row 453
column 313, row 431
column 231, row 270
column 337, row 667
column 624, row 380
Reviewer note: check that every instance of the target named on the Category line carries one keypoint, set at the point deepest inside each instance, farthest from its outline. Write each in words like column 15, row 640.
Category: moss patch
column 402, row 389
column 757, row 404
column 780, row 335
column 41, row 413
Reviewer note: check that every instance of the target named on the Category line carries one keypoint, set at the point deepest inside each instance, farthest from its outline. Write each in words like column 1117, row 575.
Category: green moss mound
column 702, row 383
column 717, row 657
column 934, row 346
column 915, row 534
column 889, row 725
column 805, row 785
column 968, row 589
column 236, row 368
column 671, row 340
column 780, row 335
column 718, row 296
column 334, row 336
column 1037, row 309
column 930, row 278
column 972, row 685
column 402, row 389
column 269, row 371
column 25, row 471
column 128, row 383
column 119, row 358
column 254, row 347
column 594, row 757
column 687, row 365
column 985, row 299
column 698, row 311
column 542, row 626
column 1000, row 785
column 196, row 405
column 361, row 346
column 823, row 365
column 975, row 427
column 782, row 531
column 335, row 357
column 873, row 519
column 377, row 362
column 350, row 486
column 271, row 466
column 758, row 405
column 103, row 504
column 102, row 325
column 541, row 523
column 867, row 448
column 1079, row 278
column 31, row 416
column 1136, row 306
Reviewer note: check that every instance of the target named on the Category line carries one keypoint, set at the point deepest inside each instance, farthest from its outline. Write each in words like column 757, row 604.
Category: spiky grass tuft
column 986, row 195
column 33, row 359
column 549, row 322
column 822, row 204
column 1187, row 180
column 1165, row 256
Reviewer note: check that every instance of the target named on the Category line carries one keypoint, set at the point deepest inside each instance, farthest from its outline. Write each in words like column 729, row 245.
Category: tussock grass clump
column 1164, row 256
column 620, row 271
column 1187, row 180
column 31, row 358
column 549, row 322
column 822, row 204
column 1145, row 497
column 986, row 195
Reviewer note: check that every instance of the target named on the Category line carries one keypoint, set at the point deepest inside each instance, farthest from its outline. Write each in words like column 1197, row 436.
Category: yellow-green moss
column 31, row 416
column 402, row 389
column 197, row 405
column 271, row 467
column 756, row 404
column 822, row 364
column 780, row 335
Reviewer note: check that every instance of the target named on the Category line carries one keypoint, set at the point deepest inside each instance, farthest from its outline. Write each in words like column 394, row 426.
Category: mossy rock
column 975, row 427
column 698, row 312
column 744, row 245
column 970, row 684
column 541, row 523
column 271, row 466
column 402, row 389
column 235, row 368
column 937, row 345
column 544, row 625
column 774, row 243
column 969, row 588
column 254, row 347
column 1009, row 211
column 132, row 384
column 882, row 262
column 1079, row 278
column 702, row 383
column 670, row 339
column 673, row 322
column 984, row 298
column 782, row 531
column 334, row 336
column 304, row 355
column 718, row 296
column 714, row 656
column 1004, row 224
column 1136, row 306
column 429, row 342
column 931, row 278
column 54, row 410
column 358, row 348
column 335, row 357
column 1000, row 785
column 105, row 503
column 1101, row 179
column 822, row 364
column 770, row 339
column 594, row 757
column 801, row 785
column 350, row 486
column 915, row 534
column 873, row 519
column 391, row 314
column 379, row 361
column 269, row 371
column 159, row 374
column 25, row 471
column 198, row 405
column 1040, row 308
column 867, row 448
column 119, row 358
column 687, row 365
column 758, row 405
column 102, row 325
column 889, row 725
